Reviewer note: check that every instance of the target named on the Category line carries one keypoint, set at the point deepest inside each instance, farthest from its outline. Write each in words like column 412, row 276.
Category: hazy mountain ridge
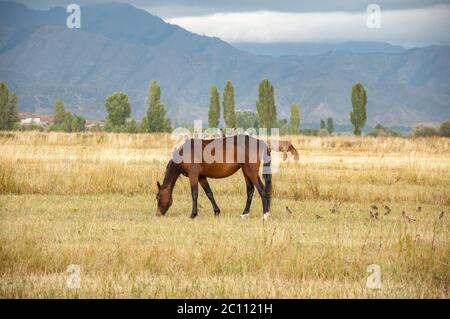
column 308, row 49
column 120, row 47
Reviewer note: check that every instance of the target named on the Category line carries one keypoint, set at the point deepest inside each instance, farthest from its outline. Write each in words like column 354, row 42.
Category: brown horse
column 217, row 158
column 284, row 147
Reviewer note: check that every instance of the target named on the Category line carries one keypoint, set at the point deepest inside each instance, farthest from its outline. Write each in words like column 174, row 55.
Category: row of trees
column 118, row 109
column 328, row 126
column 229, row 113
column 64, row 121
column 266, row 111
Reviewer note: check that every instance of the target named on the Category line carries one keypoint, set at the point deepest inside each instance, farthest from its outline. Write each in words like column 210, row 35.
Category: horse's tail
column 267, row 174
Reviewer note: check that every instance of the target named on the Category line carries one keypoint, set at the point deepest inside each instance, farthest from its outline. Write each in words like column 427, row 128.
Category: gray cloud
column 411, row 27
column 200, row 7
column 172, row 8
column 406, row 22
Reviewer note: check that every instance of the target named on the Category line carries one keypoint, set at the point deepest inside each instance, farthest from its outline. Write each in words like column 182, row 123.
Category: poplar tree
column 330, row 125
column 214, row 108
column 228, row 105
column 9, row 105
column 265, row 106
column 156, row 113
column 358, row 116
column 322, row 124
column 294, row 122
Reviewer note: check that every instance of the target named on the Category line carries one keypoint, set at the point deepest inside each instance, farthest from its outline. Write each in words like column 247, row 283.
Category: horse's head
column 164, row 199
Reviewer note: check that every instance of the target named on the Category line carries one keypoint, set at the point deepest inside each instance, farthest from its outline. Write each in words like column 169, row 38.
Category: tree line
column 118, row 109
column 265, row 115
column 118, row 114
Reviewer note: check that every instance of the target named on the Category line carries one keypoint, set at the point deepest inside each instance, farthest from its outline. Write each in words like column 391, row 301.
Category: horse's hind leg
column 250, row 191
column 194, row 192
column 264, row 197
column 252, row 173
column 204, row 182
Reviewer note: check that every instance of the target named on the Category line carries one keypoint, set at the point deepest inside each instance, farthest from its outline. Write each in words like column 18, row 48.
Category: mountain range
column 278, row 49
column 122, row 48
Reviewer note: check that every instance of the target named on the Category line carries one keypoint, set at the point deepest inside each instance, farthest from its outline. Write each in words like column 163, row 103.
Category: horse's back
column 237, row 149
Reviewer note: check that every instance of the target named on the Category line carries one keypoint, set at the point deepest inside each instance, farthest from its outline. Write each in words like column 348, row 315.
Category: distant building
column 45, row 120
column 31, row 119
column 91, row 124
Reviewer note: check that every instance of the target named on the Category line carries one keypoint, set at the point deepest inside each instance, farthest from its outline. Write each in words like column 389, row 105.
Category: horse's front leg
column 194, row 192
column 204, row 182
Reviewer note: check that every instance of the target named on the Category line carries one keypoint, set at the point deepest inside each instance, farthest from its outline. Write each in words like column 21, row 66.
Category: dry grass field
column 89, row 200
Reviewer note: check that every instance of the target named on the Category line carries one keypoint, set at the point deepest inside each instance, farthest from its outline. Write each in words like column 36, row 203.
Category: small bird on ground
column 334, row 210
column 288, row 210
column 409, row 219
column 318, row 216
column 387, row 210
column 441, row 215
column 373, row 206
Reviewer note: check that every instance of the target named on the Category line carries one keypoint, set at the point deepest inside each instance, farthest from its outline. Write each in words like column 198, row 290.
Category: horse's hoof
column 217, row 213
column 193, row 216
column 266, row 216
column 244, row 216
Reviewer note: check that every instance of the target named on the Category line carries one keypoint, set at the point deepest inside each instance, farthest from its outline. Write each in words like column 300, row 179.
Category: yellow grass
column 88, row 199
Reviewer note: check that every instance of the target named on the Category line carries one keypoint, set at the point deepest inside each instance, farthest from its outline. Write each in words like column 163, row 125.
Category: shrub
column 323, row 132
column 425, row 131
column 444, row 130
column 95, row 128
column 380, row 130
column 309, row 132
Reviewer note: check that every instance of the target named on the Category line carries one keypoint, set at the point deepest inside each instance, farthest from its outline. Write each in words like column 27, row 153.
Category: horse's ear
column 159, row 185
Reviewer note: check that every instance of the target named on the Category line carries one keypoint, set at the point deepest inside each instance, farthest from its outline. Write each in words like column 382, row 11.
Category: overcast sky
column 405, row 22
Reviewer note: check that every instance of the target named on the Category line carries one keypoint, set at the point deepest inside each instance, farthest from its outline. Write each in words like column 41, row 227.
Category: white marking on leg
column 266, row 216
column 244, row 216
